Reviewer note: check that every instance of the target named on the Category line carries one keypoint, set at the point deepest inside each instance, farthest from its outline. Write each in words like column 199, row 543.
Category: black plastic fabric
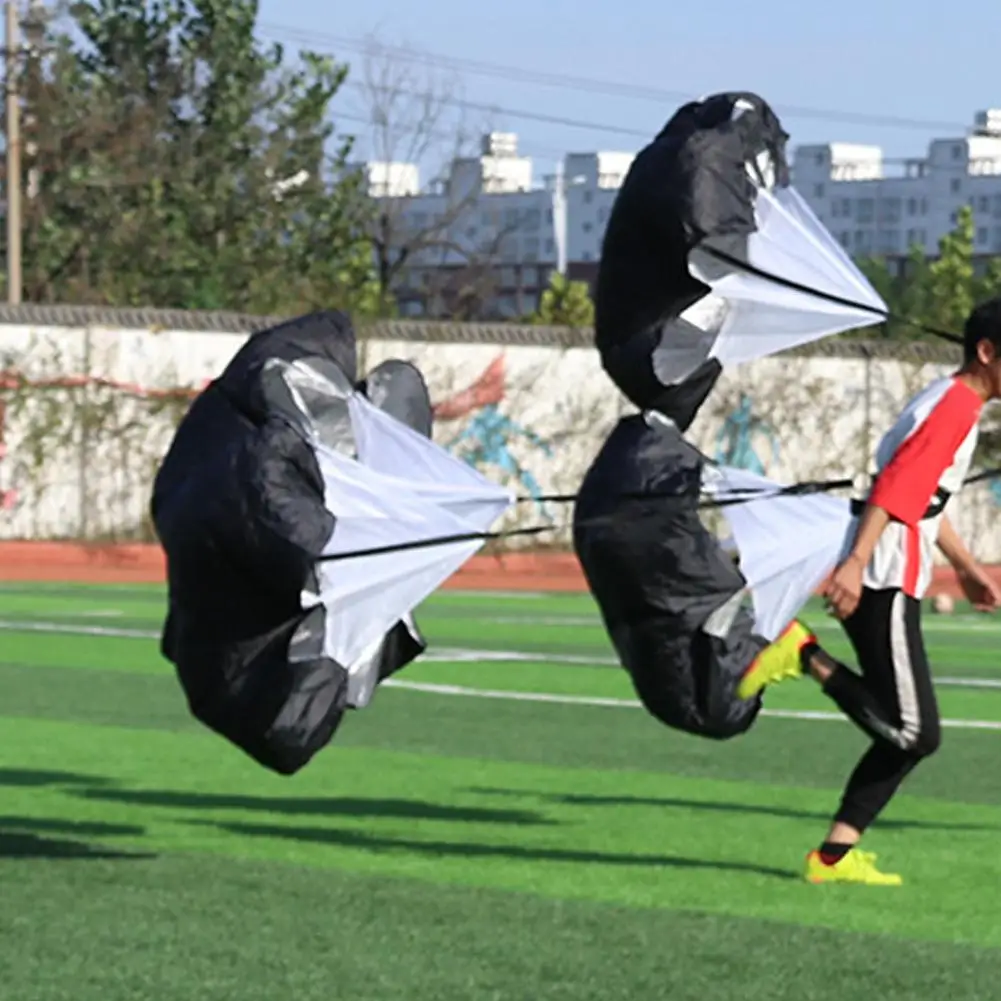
column 238, row 507
column 658, row 575
column 689, row 187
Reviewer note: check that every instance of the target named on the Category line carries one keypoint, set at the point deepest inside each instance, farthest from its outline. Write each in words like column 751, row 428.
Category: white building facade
column 881, row 208
column 492, row 214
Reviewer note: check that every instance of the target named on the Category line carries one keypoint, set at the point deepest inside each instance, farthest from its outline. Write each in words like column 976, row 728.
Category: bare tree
column 427, row 243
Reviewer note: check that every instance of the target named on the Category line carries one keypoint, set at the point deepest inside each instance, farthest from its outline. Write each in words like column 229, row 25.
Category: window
column 587, row 227
column 846, row 239
column 997, row 206
column 531, row 251
column 889, row 241
column 865, row 211
column 588, row 197
column 507, row 305
column 984, row 205
column 846, row 208
column 818, row 191
column 549, row 215
column 957, row 152
column 912, row 206
column 533, row 218
column 924, row 206
column 550, row 247
column 510, row 217
column 889, row 210
column 982, row 235
column 954, row 185
column 586, row 256
column 508, row 278
column 818, row 158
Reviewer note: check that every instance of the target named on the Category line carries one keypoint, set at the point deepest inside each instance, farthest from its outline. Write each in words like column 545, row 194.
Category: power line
column 449, row 136
column 533, row 116
column 312, row 40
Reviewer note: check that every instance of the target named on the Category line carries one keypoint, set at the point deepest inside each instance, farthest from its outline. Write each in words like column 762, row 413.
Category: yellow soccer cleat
column 778, row 661
column 856, row 867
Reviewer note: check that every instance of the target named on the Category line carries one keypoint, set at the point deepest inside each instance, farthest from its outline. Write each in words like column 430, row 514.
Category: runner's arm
column 871, row 525
column 954, row 549
column 906, row 484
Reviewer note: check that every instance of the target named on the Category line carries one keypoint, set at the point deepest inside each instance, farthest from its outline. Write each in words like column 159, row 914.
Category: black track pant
column 893, row 701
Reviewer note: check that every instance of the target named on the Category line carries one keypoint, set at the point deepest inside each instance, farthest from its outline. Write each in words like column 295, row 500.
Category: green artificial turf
column 454, row 846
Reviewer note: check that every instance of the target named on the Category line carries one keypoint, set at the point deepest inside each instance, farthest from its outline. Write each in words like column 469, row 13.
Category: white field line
column 929, row 625
column 583, row 700
column 76, row 629
column 443, row 655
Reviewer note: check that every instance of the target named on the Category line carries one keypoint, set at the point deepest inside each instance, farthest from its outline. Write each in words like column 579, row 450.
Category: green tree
column 182, row 164
column 951, row 278
column 939, row 292
column 565, row 303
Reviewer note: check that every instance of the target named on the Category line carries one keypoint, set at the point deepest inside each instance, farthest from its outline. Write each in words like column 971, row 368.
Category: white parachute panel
column 419, row 492
column 766, row 316
column 788, row 544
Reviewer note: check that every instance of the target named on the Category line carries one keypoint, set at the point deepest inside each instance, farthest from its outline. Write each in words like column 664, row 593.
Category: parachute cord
column 739, row 497
column 743, row 496
column 736, row 497
column 720, row 255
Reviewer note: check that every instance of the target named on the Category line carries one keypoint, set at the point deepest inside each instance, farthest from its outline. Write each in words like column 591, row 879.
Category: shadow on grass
column 36, row 778
column 33, row 838
column 477, row 850
column 347, row 806
column 738, row 809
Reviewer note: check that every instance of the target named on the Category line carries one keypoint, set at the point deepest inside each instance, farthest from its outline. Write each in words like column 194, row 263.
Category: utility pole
column 559, row 206
column 13, row 158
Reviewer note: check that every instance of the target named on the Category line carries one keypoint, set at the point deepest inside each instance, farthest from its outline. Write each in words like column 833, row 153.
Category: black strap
column 752, row 269
column 935, row 507
column 742, row 497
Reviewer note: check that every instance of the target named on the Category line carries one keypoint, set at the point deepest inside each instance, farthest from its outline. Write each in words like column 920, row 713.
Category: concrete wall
column 89, row 410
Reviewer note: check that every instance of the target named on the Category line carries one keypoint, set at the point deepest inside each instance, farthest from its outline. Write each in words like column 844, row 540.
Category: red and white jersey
column 929, row 449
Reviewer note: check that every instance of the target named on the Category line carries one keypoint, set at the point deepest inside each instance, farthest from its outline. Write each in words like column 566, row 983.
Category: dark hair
column 983, row 324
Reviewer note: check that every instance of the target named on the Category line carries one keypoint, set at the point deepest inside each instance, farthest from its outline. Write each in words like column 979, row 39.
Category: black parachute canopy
column 674, row 301
column 239, row 507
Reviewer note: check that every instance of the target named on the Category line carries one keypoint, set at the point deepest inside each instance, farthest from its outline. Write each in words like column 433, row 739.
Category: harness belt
column 934, row 509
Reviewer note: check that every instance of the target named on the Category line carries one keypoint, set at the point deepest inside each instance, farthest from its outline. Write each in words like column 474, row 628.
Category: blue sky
column 870, row 58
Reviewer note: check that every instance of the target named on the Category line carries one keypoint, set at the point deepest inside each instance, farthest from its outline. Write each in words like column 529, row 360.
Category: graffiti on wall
column 744, row 436
column 8, row 495
column 484, row 442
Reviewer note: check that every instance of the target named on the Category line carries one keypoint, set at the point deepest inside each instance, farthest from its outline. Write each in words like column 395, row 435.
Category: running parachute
column 711, row 258
column 292, row 505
